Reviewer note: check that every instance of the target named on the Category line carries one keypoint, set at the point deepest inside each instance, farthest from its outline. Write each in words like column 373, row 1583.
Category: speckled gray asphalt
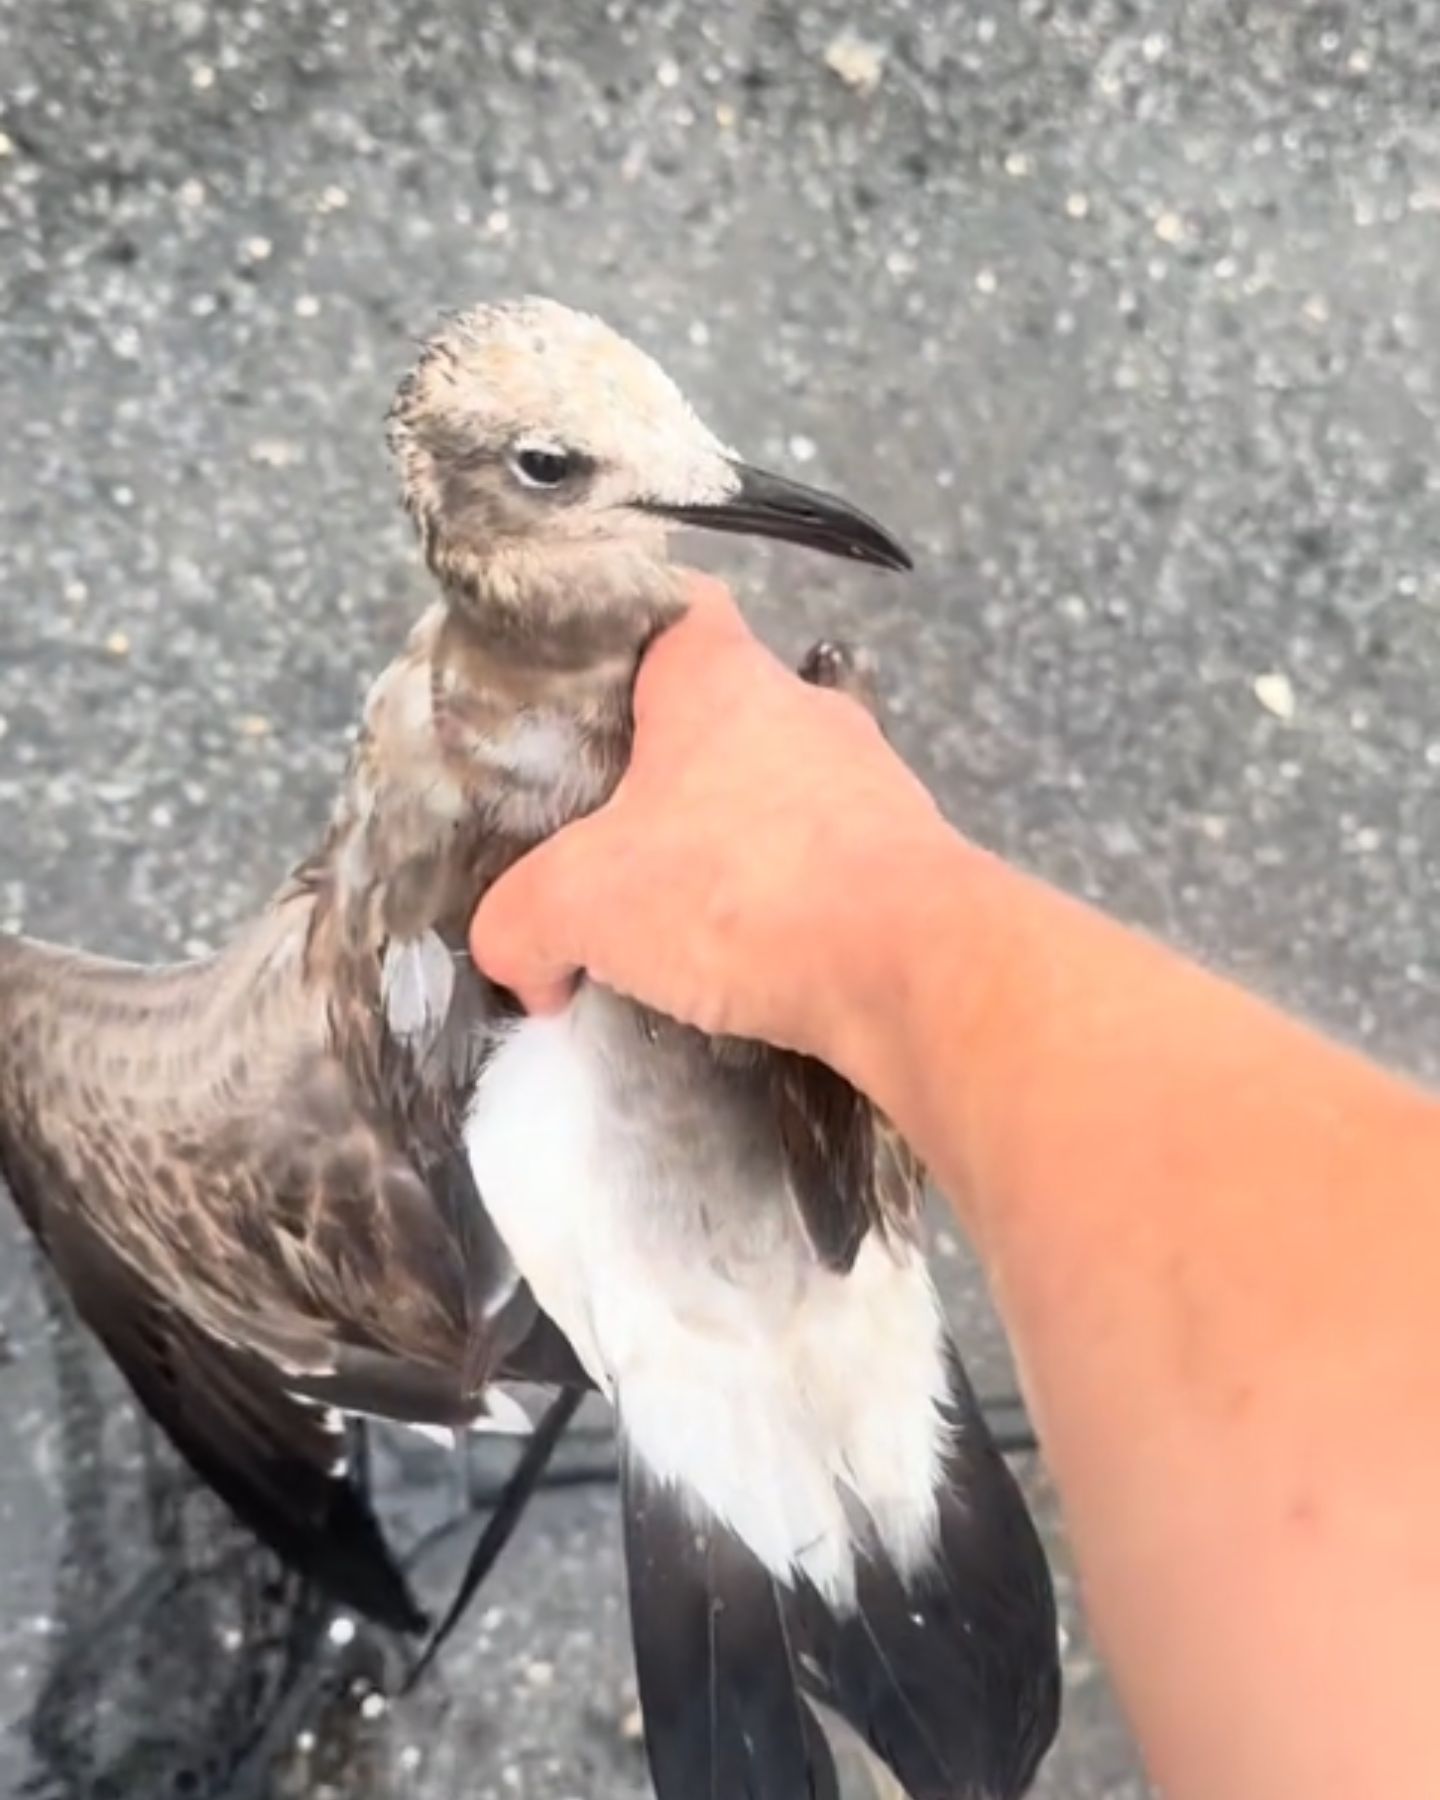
column 1123, row 316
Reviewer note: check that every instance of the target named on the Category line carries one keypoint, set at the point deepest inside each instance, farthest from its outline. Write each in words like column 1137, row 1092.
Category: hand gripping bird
column 332, row 1171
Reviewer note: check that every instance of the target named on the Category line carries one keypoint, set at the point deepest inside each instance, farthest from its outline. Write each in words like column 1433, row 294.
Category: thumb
column 710, row 626
column 520, row 936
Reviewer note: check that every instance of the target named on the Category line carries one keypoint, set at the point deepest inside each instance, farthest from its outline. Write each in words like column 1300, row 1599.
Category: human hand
column 737, row 878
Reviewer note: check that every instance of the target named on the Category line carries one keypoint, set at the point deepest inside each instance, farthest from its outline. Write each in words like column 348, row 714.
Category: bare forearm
column 1214, row 1239
column 1214, row 1236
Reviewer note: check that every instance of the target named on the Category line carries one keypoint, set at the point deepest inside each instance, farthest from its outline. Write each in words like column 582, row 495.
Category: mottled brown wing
column 247, row 1232
column 392, row 1231
column 275, row 1460
column 849, row 1171
column 422, row 1316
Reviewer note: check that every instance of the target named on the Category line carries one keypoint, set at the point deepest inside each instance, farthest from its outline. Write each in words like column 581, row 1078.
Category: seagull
column 332, row 1172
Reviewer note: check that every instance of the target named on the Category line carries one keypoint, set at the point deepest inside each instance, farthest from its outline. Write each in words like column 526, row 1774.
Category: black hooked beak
column 768, row 505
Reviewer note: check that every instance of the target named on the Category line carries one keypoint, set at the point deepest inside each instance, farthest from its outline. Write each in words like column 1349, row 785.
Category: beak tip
column 882, row 551
column 773, row 506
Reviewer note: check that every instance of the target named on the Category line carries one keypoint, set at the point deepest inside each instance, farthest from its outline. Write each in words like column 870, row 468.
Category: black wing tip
column 263, row 1452
column 397, row 1612
column 409, row 1619
column 720, row 1692
column 995, row 1561
column 332, row 1539
column 352, row 1564
column 953, row 1679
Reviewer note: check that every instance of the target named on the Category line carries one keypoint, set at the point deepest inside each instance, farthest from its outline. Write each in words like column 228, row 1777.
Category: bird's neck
column 565, row 605
column 507, row 715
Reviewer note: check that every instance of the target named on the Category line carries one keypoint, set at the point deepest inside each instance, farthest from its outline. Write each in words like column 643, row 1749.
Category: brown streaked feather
column 202, row 1121
column 225, row 1147
column 240, row 1225
column 269, row 1456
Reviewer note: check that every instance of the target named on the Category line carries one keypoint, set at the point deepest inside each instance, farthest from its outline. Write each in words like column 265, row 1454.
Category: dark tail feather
column 719, row 1686
column 953, row 1681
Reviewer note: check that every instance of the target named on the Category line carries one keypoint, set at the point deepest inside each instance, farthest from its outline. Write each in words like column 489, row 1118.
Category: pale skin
column 1213, row 1234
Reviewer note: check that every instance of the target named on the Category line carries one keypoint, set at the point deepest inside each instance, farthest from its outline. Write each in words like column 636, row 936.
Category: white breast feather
column 759, row 1384
column 547, row 779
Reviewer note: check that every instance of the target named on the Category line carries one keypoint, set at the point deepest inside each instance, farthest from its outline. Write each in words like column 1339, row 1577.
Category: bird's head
column 526, row 430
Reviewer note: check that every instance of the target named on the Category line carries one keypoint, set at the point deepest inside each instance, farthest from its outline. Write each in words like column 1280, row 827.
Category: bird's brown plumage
column 243, row 1135
column 253, row 1186
column 253, row 1190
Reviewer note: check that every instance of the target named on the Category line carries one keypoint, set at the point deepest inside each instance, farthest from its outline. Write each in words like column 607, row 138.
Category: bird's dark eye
column 542, row 468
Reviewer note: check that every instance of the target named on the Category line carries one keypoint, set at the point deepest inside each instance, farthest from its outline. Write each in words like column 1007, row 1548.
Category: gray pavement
column 1122, row 315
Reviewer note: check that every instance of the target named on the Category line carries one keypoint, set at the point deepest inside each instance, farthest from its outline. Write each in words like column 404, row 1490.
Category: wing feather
column 277, row 1462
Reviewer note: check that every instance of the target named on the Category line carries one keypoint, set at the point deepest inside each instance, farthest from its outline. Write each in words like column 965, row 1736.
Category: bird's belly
column 641, row 1190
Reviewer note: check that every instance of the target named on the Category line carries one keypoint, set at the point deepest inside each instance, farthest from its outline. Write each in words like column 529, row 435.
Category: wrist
column 927, row 957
